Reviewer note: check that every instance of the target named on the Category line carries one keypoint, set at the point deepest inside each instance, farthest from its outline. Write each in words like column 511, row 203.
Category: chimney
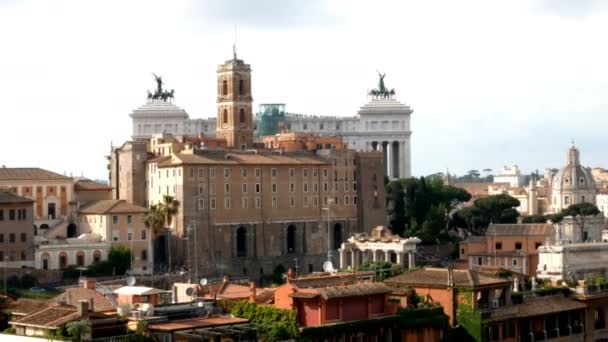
column 289, row 275
column 83, row 308
column 89, row 283
column 253, row 289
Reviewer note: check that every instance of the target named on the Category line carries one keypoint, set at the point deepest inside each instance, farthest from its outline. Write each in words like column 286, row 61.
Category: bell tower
column 234, row 104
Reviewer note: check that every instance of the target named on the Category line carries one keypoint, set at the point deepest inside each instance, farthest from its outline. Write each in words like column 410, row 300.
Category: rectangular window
column 324, row 173
column 23, row 237
column 212, row 188
column 227, row 203
column 258, row 172
column 498, row 245
column 518, row 245
column 292, row 201
column 226, row 172
column 11, row 214
column 212, row 204
column 244, row 188
column 274, row 202
column 1, row 214
column 258, row 202
column 1, row 238
column 345, row 186
column 144, row 234
column 305, row 187
column 11, row 238
column 257, row 188
column 325, row 187
column 244, row 202
column 114, row 219
column 243, row 172
column 354, row 200
column 211, row 172
column 292, row 187
column 18, row 214
column 315, row 187
column 191, row 172
column 354, row 186
column 129, row 219
column 273, row 172
column 304, row 172
column 201, row 172
column 315, row 201
column 23, row 255
column 201, row 203
column 201, row 188
column 537, row 244
column 305, row 202
column 274, row 188
column 335, row 186
column 315, row 172
column 292, row 172
column 129, row 235
column 226, row 188
column 345, row 200
column 24, row 214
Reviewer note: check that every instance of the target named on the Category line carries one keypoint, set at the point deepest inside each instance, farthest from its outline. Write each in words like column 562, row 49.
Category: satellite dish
column 328, row 267
column 130, row 281
column 203, row 281
column 200, row 304
column 189, row 292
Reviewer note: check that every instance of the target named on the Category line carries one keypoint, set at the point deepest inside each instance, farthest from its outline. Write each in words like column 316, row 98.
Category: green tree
column 154, row 219
column 278, row 273
column 119, row 258
column 580, row 212
column 534, row 219
column 395, row 207
column 76, row 329
column 491, row 209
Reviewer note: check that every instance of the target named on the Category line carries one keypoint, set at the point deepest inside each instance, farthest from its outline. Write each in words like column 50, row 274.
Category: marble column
column 387, row 256
column 389, row 159
column 401, row 159
column 400, row 259
column 412, row 262
column 365, row 255
column 354, row 260
column 342, row 257
column 374, row 255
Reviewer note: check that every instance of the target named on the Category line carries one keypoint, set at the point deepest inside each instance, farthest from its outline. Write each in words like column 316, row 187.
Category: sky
column 491, row 83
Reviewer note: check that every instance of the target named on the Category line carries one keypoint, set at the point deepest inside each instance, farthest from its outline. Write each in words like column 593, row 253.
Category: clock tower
column 234, row 104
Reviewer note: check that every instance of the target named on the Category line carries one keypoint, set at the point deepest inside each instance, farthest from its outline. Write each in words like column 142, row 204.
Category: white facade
column 572, row 184
column 601, row 200
column 511, row 175
column 383, row 124
column 58, row 254
column 576, row 261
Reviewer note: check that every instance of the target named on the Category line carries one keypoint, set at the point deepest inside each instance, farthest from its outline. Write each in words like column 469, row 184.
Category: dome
column 573, row 176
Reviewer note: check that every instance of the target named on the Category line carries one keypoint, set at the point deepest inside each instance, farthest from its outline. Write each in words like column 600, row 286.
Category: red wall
column 354, row 308
column 308, row 312
column 332, row 310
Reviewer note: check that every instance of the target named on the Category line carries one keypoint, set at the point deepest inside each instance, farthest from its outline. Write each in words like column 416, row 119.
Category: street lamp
column 328, row 209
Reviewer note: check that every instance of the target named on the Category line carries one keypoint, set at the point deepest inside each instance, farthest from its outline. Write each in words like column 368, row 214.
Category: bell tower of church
column 234, row 104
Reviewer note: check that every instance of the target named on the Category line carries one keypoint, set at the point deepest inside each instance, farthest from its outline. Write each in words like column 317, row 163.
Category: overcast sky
column 491, row 82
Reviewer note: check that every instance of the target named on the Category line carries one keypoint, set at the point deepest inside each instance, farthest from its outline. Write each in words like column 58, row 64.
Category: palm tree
column 154, row 221
column 168, row 208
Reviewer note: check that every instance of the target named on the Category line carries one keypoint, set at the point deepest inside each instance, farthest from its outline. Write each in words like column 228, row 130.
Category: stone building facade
column 572, row 184
column 16, row 230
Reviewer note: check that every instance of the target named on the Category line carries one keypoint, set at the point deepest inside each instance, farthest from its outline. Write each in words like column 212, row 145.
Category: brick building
column 16, row 230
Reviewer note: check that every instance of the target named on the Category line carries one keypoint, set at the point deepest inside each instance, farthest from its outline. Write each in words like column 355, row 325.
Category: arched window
column 224, row 87
column 291, row 239
column 241, row 242
column 144, row 255
column 337, row 235
column 96, row 256
column 225, row 116
column 80, row 258
column 241, row 87
column 242, row 116
column 63, row 260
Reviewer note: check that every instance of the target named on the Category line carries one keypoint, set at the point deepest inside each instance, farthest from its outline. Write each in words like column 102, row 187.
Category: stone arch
column 337, row 235
column 96, row 256
column 242, row 118
column 80, row 258
column 44, row 226
column 224, row 87
column 291, row 239
column 63, row 260
column 225, row 116
column 46, row 261
column 241, row 87
column 241, row 242
column 72, row 230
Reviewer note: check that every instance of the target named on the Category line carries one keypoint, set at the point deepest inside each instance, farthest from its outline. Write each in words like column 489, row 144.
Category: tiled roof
column 54, row 316
column 236, row 158
column 111, row 207
column 323, row 281
column 9, row 197
column 474, row 239
column 87, row 184
column 438, row 277
column 73, row 295
column 343, row 291
column 539, row 306
column 24, row 306
column 29, row 173
column 520, row 229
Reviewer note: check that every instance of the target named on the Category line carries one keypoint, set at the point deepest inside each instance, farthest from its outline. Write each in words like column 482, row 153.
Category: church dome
column 573, row 176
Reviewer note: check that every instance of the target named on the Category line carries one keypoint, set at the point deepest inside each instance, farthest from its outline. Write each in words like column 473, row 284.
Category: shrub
column 10, row 330
column 271, row 323
column 28, row 280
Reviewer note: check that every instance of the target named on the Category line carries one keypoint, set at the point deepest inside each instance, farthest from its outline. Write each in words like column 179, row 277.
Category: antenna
column 130, row 280
column 234, row 43
column 203, row 281
column 328, row 267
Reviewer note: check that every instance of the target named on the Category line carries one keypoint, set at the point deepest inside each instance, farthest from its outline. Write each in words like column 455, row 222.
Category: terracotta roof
column 197, row 323
column 343, row 291
column 111, row 207
column 52, row 317
column 87, row 184
column 538, row 306
column 24, row 306
column 236, row 158
column 520, row 229
column 71, row 296
column 474, row 239
column 29, row 173
column 9, row 197
column 324, row 281
column 438, row 277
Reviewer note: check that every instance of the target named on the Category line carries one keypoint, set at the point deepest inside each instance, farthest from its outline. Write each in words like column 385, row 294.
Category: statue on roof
column 160, row 94
column 382, row 91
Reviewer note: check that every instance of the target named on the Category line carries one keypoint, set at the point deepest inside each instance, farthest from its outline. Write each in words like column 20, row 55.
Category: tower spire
column 234, row 44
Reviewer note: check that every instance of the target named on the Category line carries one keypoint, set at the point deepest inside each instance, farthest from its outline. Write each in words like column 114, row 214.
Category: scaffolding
column 271, row 118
